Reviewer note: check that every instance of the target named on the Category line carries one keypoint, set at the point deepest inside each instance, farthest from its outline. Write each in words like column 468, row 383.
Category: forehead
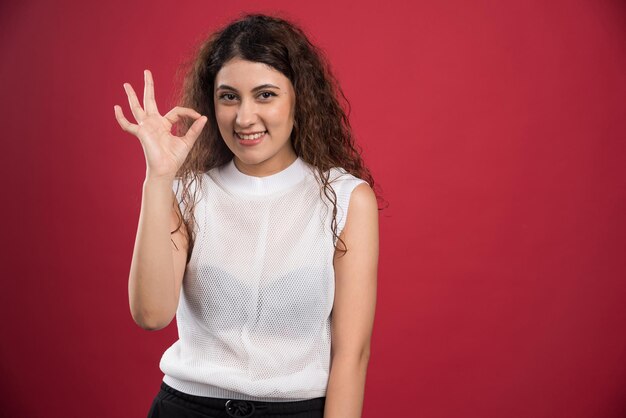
column 241, row 73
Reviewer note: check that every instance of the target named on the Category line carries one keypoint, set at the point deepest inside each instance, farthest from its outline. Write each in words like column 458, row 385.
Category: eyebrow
column 262, row 86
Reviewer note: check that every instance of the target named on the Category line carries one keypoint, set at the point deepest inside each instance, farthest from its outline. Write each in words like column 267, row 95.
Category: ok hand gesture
column 164, row 152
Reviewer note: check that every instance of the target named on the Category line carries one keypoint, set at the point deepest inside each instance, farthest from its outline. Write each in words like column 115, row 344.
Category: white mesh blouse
column 254, row 313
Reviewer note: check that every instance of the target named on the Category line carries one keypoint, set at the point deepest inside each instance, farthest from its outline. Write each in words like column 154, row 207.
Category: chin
column 250, row 158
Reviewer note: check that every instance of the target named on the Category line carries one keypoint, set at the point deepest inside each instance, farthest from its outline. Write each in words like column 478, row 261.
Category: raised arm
column 157, row 267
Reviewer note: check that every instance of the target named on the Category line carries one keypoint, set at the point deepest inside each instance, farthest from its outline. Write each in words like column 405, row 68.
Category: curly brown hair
column 321, row 134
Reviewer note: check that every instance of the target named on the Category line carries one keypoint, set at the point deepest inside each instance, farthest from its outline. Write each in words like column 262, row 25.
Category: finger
column 176, row 113
column 124, row 123
column 194, row 131
column 149, row 103
column 135, row 107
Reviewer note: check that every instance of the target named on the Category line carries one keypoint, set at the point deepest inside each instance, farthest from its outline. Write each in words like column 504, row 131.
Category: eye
column 229, row 95
column 268, row 93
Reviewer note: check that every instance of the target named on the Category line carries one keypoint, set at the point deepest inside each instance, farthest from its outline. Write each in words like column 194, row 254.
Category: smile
column 252, row 136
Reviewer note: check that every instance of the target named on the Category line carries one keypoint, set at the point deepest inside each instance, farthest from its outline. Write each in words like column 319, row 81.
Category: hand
column 164, row 152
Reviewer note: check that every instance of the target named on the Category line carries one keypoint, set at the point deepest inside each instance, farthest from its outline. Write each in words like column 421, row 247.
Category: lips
column 248, row 134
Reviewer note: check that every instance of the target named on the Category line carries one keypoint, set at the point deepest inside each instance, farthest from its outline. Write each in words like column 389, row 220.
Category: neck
column 265, row 168
column 271, row 181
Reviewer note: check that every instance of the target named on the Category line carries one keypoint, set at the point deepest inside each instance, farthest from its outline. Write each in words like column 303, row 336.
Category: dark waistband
column 274, row 406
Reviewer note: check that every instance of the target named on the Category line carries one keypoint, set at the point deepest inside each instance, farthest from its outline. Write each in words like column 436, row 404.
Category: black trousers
column 171, row 403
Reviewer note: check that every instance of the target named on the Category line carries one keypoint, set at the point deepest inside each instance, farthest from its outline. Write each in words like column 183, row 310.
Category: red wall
column 495, row 128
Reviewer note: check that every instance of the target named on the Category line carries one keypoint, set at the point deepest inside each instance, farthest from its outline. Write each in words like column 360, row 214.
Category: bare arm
column 157, row 266
column 354, row 307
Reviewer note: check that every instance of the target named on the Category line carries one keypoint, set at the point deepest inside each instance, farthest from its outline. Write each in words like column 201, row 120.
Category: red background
column 496, row 130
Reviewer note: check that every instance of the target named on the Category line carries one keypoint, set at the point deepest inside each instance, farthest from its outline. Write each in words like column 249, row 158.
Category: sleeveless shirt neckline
column 240, row 182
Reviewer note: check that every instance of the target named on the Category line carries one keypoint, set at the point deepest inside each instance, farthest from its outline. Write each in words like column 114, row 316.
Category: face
column 253, row 98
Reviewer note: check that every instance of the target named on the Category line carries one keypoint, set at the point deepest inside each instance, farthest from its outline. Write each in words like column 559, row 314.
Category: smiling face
column 253, row 98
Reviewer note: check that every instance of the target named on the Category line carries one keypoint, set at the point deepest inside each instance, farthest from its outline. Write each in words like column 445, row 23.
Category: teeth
column 255, row 136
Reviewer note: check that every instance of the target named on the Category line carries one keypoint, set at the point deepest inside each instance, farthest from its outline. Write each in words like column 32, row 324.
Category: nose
column 246, row 114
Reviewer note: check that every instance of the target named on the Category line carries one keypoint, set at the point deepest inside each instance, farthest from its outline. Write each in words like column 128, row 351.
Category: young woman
column 271, row 279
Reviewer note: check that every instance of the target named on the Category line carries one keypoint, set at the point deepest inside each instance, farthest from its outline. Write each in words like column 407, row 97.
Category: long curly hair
column 321, row 134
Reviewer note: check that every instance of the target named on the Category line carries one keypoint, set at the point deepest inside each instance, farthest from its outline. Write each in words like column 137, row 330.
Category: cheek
column 222, row 116
column 219, row 113
column 280, row 115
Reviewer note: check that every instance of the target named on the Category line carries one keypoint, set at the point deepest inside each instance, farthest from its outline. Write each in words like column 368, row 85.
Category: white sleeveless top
column 254, row 316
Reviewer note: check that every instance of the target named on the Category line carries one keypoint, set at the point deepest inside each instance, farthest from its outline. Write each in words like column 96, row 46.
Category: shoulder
column 363, row 197
column 363, row 205
column 355, row 198
column 359, row 188
column 339, row 178
column 339, row 174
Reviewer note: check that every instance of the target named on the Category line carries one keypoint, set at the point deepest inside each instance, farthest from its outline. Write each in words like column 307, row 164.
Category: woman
column 265, row 245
